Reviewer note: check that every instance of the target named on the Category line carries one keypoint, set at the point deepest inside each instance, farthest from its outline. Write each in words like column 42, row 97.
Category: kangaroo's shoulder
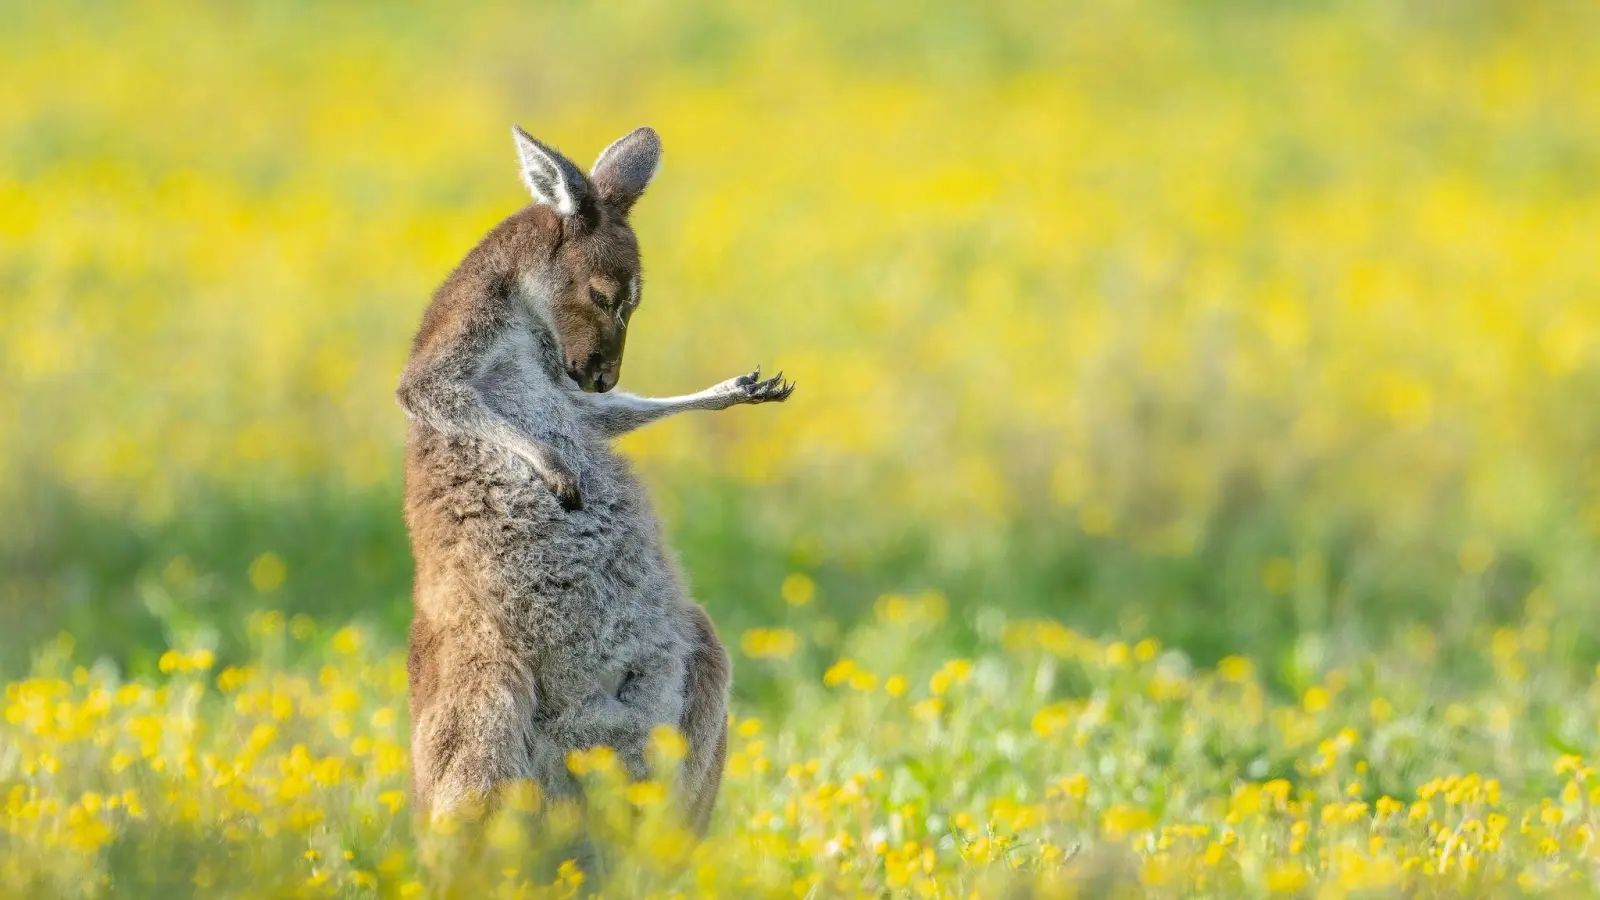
column 485, row 292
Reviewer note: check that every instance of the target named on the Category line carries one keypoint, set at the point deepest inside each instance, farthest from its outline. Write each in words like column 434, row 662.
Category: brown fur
column 704, row 721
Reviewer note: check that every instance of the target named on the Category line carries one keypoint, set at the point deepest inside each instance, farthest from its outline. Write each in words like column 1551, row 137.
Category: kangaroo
column 549, row 614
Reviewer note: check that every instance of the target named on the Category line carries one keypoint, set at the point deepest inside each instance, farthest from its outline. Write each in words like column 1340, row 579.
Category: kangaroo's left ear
column 552, row 178
column 624, row 169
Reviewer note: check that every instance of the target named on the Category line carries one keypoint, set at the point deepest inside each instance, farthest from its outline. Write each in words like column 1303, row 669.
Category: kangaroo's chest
column 580, row 578
column 517, row 385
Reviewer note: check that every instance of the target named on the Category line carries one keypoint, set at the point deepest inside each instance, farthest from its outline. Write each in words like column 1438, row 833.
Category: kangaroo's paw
column 564, row 484
column 752, row 389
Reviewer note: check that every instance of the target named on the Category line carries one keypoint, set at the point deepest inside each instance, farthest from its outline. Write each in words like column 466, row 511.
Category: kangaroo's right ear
column 624, row 169
column 552, row 179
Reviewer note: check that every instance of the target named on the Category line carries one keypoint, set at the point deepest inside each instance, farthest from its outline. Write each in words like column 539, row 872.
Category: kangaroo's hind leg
column 705, row 721
column 472, row 707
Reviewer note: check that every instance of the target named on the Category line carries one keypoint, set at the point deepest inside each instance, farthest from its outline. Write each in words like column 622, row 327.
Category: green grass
column 92, row 573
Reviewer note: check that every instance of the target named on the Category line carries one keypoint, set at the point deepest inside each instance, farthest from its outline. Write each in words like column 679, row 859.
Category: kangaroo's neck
column 532, row 298
column 547, row 352
column 500, row 263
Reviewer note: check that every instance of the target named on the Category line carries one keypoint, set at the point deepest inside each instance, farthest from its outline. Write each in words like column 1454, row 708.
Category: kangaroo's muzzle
column 596, row 375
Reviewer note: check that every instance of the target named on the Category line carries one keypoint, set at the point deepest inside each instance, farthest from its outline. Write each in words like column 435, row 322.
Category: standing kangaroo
column 548, row 613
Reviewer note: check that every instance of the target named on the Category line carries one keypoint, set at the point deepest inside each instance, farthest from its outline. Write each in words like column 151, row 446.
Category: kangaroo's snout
column 597, row 374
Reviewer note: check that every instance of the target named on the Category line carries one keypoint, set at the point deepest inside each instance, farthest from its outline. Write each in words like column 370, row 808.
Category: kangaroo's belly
column 585, row 594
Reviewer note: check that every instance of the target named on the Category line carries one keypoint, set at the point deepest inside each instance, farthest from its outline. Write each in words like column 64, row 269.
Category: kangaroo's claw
column 756, row 390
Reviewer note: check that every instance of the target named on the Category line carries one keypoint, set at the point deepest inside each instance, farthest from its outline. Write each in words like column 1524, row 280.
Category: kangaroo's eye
column 599, row 298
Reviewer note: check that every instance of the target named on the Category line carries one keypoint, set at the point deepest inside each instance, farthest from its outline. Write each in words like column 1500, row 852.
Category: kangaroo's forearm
column 458, row 408
column 460, row 411
column 615, row 414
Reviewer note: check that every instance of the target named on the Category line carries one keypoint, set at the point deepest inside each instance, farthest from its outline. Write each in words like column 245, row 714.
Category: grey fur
column 623, row 170
column 549, row 613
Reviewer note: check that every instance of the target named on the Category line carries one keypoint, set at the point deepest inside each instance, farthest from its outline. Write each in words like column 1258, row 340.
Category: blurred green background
column 1259, row 327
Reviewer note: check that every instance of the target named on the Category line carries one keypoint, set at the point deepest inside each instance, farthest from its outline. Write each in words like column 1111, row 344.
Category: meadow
column 1190, row 490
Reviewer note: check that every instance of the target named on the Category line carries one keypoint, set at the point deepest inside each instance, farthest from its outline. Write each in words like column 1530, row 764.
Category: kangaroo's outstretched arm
column 617, row 413
column 439, row 387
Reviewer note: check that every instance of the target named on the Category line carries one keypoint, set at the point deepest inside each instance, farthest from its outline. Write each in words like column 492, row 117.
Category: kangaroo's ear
column 624, row 169
column 552, row 179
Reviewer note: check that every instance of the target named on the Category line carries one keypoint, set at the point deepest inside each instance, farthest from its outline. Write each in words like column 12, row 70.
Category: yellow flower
column 1121, row 821
column 1051, row 719
column 667, row 745
column 393, row 800
column 329, row 772
column 646, row 793
column 1075, row 786
column 302, row 627
column 1316, row 699
column 232, row 679
column 266, row 624
column 1568, row 764
column 839, row 672
column 1236, row 669
column 522, row 795
column 600, row 759
column 347, row 640
column 953, row 672
column 1117, row 654
column 769, row 643
column 268, row 572
column 569, row 873
column 798, row 589
column 664, row 848
column 1286, row 878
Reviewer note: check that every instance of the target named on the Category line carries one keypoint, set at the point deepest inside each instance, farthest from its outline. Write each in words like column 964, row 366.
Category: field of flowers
column 1048, row 761
column 1191, row 486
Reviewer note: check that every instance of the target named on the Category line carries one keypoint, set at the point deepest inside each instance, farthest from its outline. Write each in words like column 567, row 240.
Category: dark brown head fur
column 593, row 279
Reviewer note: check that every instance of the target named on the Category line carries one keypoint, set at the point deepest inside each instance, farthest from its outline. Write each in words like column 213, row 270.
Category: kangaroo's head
column 593, row 279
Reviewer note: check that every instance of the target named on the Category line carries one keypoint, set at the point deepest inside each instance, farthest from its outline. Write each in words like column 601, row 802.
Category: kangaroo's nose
column 607, row 380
